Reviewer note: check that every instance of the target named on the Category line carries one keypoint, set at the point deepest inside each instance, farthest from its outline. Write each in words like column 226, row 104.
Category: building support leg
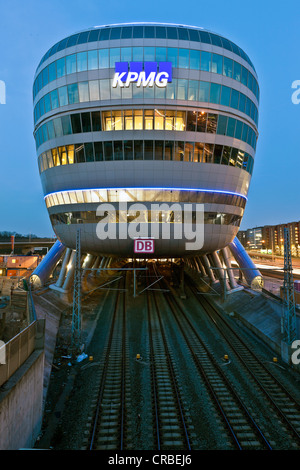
column 208, row 269
column 69, row 277
column 226, row 258
column 221, row 272
column 63, row 270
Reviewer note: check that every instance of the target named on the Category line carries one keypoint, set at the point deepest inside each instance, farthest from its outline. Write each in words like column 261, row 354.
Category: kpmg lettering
column 143, row 74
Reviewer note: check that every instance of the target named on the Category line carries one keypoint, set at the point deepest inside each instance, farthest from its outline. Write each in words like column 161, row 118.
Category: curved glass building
column 145, row 113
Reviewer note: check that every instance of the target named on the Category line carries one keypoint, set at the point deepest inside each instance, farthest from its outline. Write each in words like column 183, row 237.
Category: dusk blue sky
column 269, row 33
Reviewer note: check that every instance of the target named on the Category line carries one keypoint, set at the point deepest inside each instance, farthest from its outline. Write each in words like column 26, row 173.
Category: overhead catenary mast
column 76, row 316
column 288, row 320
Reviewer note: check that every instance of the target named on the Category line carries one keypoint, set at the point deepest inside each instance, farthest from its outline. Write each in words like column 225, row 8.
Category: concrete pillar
column 63, row 268
column 70, row 271
column 195, row 264
column 220, row 270
column 87, row 263
column 43, row 271
column 208, row 269
column 226, row 259
column 95, row 266
column 202, row 270
column 101, row 265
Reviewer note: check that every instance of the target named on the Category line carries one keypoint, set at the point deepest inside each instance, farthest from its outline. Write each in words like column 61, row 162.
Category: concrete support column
column 208, row 269
column 101, row 265
column 220, row 271
column 202, row 270
column 87, row 263
column 70, row 271
column 226, row 259
column 195, row 264
column 63, row 268
column 95, row 266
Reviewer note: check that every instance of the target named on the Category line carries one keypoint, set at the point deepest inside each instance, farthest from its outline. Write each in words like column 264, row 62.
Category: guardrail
column 16, row 351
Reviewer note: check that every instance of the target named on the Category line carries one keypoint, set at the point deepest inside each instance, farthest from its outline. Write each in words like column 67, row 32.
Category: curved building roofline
column 226, row 43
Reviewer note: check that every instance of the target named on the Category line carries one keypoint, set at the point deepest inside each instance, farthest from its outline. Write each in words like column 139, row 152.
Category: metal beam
column 288, row 321
column 76, row 316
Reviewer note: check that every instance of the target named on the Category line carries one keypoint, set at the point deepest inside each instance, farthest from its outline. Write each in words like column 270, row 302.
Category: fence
column 17, row 350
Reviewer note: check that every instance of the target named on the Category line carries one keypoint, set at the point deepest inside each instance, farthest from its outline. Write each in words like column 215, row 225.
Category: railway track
column 171, row 428
column 278, row 397
column 108, row 424
column 242, row 430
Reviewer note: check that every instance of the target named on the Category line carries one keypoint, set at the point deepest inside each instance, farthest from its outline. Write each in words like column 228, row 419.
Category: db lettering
column 144, row 246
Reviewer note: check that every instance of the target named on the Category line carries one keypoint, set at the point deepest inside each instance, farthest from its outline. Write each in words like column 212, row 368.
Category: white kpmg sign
column 143, row 74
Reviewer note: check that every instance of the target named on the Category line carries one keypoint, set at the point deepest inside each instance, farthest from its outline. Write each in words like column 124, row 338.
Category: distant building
column 271, row 238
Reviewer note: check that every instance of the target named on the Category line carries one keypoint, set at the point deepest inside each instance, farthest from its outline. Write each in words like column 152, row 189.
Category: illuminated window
column 180, row 121
column 188, row 152
column 208, row 153
column 159, row 120
column 70, row 151
column 201, row 121
column 63, row 155
column 148, row 117
column 49, row 159
column 107, row 121
column 138, row 119
column 179, row 151
column 117, row 122
column 128, row 120
column 170, row 120
column 55, row 157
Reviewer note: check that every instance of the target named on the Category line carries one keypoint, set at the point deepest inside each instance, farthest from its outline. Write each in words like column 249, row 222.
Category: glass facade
column 181, row 89
column 196, row 152
column 99, row 59
column 159, row 31
column 147, row 119
column 90, row 217
column 97, row 196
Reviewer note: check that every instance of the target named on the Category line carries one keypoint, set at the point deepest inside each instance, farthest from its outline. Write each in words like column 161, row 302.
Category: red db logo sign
column 143, row 245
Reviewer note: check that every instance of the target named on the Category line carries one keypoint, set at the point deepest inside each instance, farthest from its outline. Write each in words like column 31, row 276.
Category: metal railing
column 16, row 351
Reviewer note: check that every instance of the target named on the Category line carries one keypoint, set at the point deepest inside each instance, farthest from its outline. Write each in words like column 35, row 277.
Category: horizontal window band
column 147, row 150
column 199, row 121
column 118, row 195
column 161, row 217
column 192, row 91
column 181, row 58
